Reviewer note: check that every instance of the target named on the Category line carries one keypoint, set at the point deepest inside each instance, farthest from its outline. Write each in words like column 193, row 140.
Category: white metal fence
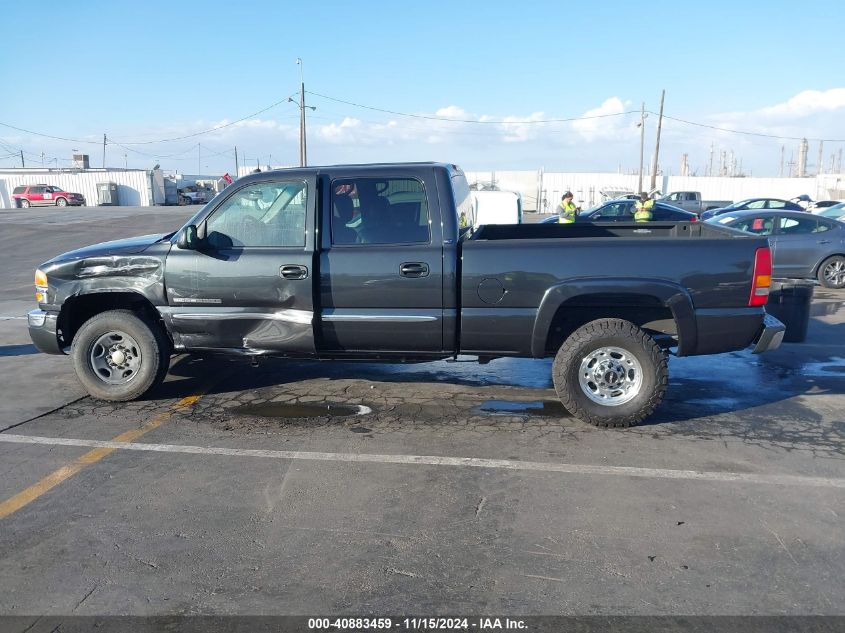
column 141, row 188
column 588, row 188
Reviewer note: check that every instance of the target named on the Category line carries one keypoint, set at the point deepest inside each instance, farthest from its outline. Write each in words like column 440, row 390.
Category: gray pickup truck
column 385, row 262
column 691, row 201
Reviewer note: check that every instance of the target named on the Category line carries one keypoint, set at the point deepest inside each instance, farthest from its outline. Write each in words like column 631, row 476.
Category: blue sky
column 145, row 71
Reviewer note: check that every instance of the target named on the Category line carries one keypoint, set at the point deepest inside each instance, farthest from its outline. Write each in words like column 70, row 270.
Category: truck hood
column 128, row 246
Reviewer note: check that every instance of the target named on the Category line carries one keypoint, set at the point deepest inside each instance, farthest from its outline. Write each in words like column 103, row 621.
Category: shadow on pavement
column 722, row 396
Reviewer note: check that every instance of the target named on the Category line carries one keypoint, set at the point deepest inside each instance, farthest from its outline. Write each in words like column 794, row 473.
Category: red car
column 45, row 195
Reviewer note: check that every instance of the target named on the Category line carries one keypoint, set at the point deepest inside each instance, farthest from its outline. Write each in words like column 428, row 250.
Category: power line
column 749, row 133
column 486, row 121
column 57, row 138
column 163, row 140
column 209, row 130
column 136, row 151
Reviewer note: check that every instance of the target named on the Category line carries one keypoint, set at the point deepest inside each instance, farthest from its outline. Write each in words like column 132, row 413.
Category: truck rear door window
column 379, row 211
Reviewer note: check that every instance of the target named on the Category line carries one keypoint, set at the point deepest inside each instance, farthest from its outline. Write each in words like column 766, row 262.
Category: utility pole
column 802, row 158
column 236, row 162
column 657, row 143
column 710, row 171
column 23, row 164
column 303, row 153
column 104, row 150
column 642, row 145
column 782, row 150
column 125, row 161
column 199, row 159
column 821, row 158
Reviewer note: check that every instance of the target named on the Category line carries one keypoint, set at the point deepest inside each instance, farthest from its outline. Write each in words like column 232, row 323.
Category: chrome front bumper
column 770, row 337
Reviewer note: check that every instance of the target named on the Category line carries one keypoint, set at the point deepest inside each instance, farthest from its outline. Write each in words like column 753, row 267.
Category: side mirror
column 188, row 239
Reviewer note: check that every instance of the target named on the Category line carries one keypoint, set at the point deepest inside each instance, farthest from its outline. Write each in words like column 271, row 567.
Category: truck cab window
column 463, row 203
column 379, row 211
column 260, row 214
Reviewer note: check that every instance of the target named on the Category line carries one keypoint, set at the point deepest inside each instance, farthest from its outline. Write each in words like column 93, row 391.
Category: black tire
column 61, row 202
column 832, row 272
column 25, row 204
column 593, row 338
column 153, row 357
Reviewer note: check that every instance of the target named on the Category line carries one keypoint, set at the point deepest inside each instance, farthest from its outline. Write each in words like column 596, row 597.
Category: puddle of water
column 301, row 410
column 711, row 402
column 834, row 366
column 545, row 408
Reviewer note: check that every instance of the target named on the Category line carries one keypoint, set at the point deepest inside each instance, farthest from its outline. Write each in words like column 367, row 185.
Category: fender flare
column 670, row 295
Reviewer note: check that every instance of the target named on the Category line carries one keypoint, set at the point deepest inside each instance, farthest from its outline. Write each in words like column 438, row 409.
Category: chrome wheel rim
column 610, row 376
column 834, row 272
column 115, row 358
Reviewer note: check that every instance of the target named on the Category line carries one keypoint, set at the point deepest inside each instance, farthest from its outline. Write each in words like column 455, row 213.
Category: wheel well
column 78, row 309
column 646, row 312
column 819, row 265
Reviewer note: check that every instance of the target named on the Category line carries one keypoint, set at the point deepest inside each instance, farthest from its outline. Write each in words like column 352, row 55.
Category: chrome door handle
column 413, row 269
column 293, row 271
column 824, row 241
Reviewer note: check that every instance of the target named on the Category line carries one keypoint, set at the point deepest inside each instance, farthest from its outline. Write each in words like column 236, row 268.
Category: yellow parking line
column 27, row 496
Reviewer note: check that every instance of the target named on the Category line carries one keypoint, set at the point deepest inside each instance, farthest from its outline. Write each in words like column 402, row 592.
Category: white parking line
column 433, row 460
column 12, row 318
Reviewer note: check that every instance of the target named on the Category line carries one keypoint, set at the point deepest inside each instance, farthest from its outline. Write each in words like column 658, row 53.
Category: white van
column 497, row 207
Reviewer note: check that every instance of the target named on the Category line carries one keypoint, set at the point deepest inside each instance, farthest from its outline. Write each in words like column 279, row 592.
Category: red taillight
column 694, row 218
column 761, row 278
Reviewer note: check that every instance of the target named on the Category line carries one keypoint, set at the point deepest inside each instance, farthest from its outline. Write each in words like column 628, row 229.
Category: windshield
column 836, row 211
column 592, row 209
column 741, row 203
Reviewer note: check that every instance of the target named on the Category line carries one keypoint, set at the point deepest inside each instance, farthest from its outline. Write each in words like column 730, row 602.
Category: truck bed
column 628, row 265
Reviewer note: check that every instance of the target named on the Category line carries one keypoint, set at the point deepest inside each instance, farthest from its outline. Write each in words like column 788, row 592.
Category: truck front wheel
column 610, row 373
column 119, row 356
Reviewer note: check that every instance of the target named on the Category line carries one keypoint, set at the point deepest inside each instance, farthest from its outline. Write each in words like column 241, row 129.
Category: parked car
column 821, row 205
column 194, row 195
column 293, row 279
column 622, row 210
column 804, row 246
column 691, row 201
column 26, row 196
column 836, row 212
column 754, row 203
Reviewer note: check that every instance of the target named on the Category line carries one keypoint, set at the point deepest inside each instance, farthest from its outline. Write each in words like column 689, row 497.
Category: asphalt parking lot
column 328, row 488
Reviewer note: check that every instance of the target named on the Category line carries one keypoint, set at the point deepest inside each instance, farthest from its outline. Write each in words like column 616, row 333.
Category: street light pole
column 642, row 145
column 657, row 143
column 303, row 152
column 303, row 155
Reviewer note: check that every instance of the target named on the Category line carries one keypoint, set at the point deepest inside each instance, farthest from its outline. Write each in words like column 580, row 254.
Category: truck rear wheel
column 119, row 356
column 610, row 373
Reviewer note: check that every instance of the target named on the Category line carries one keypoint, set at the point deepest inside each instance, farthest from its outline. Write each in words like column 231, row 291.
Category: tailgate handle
column 293, row 271
column 413, row 269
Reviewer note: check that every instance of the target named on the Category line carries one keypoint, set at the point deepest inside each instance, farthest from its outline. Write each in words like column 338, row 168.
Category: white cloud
column 485, row 141
column 807, row 103
column 607, row 127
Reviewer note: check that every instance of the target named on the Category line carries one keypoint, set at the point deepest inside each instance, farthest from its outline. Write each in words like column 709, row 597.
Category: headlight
column 40, row 286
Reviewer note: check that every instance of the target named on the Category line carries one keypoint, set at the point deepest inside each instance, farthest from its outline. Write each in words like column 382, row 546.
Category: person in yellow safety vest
column 644, row 208
column 567, row 209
